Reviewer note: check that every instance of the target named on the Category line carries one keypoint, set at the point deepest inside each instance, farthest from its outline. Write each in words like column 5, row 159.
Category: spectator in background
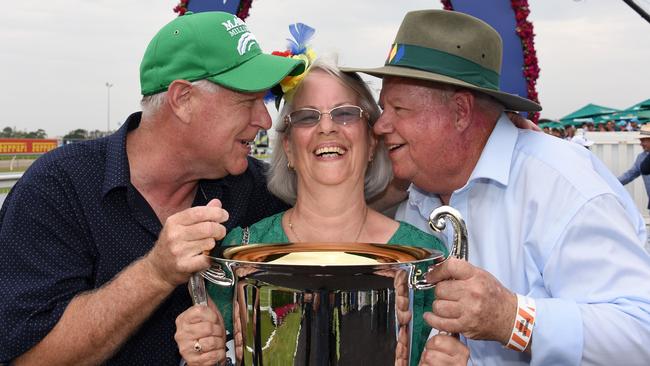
column 588, row 126
column 557, row 132
column 581, row 140
column 645, row 166
column 610, row 126
column 569, row 132
column 601, row 127
column 635, row 170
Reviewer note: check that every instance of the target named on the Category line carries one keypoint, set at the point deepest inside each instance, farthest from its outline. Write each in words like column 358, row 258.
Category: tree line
column 78, row 134
column 9, row 132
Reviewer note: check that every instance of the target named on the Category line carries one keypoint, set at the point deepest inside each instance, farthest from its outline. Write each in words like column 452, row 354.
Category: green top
column 269, row 230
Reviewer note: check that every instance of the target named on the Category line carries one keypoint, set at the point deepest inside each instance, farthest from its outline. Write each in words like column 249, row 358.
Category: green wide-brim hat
column 216, row 46
column 450, row 48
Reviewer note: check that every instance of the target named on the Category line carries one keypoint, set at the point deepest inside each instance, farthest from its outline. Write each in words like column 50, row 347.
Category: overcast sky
column 57, row 55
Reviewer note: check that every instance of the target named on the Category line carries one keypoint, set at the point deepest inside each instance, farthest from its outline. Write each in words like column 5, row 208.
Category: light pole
column 108, row 107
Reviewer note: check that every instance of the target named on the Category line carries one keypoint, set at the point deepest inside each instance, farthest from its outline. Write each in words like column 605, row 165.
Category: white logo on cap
column 246, row 41
column 233, row 23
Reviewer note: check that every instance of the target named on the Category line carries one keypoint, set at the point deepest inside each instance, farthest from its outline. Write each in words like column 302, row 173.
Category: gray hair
column 151, row 104
column 282, row 181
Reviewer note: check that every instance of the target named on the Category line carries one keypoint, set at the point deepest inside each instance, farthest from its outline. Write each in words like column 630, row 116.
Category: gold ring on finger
column 197, row 346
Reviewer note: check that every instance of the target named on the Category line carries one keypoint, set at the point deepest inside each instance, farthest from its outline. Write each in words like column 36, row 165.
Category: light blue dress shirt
column 550, row 221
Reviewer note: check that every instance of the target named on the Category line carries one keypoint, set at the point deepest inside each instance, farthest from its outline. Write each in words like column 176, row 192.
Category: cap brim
column 261, row 72
column 510, row 101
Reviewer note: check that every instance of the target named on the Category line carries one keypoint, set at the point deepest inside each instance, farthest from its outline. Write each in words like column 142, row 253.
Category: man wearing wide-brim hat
column 641, row 165
column 557, row 273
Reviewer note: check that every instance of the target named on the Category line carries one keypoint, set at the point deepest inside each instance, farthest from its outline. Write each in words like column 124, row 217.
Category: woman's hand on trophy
column 469, row 300
column 185, row 236
column 201, row 335
column 443, row 349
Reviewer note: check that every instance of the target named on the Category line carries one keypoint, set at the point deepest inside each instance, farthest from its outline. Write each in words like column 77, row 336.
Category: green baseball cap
column 216, row 46
column 449, row 47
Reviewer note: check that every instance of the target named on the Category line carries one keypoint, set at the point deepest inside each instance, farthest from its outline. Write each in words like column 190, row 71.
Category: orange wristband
column 524, row 322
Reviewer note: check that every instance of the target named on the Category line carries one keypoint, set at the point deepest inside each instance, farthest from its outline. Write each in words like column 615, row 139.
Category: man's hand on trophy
column 185, row 236
column 469, row 300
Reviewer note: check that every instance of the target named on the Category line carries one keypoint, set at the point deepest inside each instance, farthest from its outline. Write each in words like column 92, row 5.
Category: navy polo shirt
column 74, row 221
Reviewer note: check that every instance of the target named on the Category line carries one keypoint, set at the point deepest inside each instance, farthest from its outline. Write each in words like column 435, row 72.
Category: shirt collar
column 496, row 158
column 116, row 173
column 422, row 201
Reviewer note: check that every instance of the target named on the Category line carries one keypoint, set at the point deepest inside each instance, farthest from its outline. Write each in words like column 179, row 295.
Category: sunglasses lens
column 345, row 114
column 304, row 117
column 341, row 115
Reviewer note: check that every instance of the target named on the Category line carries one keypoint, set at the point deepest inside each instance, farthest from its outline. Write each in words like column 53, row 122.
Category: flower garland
column 242, row 11
column 181, row 8
column 524, row 30
column 299, row 49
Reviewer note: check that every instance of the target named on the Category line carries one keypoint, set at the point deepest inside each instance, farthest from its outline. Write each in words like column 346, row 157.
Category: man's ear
column 179, row 98
column 463, row 103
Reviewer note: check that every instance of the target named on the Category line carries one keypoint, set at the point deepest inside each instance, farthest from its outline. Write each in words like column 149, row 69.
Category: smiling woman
column 282, row 181
column 328, row 162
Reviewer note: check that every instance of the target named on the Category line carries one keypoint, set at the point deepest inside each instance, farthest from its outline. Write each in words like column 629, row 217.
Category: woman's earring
column 289, row 166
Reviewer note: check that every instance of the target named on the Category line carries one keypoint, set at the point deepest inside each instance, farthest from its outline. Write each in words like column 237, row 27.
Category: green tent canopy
column 589, row 113
column 642, row 105
column 639, row 112
column 550, row 123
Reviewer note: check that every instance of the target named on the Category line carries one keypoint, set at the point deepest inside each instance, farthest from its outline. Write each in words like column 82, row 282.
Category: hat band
column 439, row 62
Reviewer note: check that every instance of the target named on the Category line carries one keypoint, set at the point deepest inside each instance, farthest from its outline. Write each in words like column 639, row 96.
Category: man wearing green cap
column 100, row 237
column 557, row 272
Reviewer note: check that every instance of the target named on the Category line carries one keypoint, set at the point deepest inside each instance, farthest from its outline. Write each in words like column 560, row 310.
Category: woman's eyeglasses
column 342, row 115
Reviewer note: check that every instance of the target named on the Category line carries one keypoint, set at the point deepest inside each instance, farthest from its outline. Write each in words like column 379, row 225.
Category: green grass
column 283, row 344
column 20, row 169
column 23, row 157
column 5, row 190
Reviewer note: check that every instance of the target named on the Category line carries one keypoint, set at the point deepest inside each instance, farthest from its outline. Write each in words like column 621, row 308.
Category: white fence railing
column 618, row 150
column 8, row 180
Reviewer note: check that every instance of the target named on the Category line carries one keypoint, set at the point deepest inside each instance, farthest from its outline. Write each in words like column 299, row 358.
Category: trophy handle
column 438, row 221
column 197, row 289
